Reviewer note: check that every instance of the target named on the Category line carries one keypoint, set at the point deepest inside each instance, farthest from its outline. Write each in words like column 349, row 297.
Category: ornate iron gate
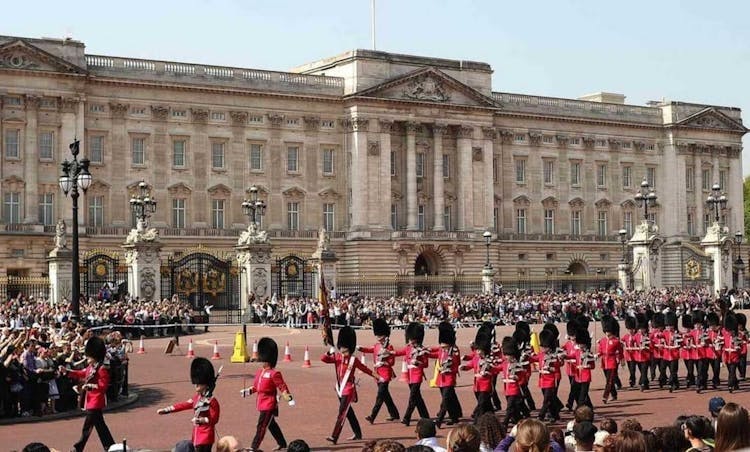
column 696, row 267
column 101, row 269
column 293, row 276
column 204, row 280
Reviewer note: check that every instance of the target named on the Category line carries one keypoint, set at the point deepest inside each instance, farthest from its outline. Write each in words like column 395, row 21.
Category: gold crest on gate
column 693, row 269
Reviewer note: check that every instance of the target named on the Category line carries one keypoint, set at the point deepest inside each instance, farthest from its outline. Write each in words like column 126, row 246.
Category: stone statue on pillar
column 254, row 259
column 718, row 245
column 60, row 265
column 646, row 243
column 61, row 242
column 326, row 261
column 143, row 258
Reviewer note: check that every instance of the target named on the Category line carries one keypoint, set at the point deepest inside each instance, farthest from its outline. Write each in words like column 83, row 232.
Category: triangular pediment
column 220, row 190
column 294, row 192
column 178, row 188
column 712, row 119
column 428, row 85
column 21, row 55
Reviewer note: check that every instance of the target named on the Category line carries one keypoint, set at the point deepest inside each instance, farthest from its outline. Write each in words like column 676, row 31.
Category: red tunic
column 699, row 350
column 511, row 385
column 569, row 347
column 447, row 377
column 266, row 383
column 96, row 398
column 732, row 347
column 583, row 372
column 670, row 345
column 383, row 366
column 610, row 350
column 643, row 355
column 415, row 364
column 482, row 377
column 203, row 433
column 688, row 345
column 342, row 367
column 713, row 341
column 656, row 340
column 547, row 376
column 629, row 348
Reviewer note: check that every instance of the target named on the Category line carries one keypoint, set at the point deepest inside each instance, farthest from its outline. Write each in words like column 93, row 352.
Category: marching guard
column 585, row 362
column 417, row 359
column 670, row 355
column 702, row 350
column 610, row 351
column 630, row 349
column 448, row 360
column 523, row 339
column 483, row 367
column 731, row 351
column 657, row 349
column 688, row 350
column 713, row 352
column 642, row 354
column 569, row 349
column 549, row 368
column 742, row 331
column 384, row 359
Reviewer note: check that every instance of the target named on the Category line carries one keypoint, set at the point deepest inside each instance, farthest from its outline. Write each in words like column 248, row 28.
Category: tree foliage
column 746, row 204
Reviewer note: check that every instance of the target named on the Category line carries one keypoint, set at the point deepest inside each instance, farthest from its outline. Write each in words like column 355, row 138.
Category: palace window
column 327, row 124
column 420, row 217
column 689, row 178
column 292, row 157
column 627, row 176
column 217, row 213
column 218, row 116
column 328, row 161
column 179, row 113
column 706, row 222
column 521, row 221
column 651, row 176
column 690, row 224
column 178, row 153
column 178, row 212
column 292, row 216
column 627, row 222
column 46, row 145
column 601, row 223
column 626, row 144
column 575, row 222
column 138, row 151
column 549, row 171
column 601, row 175
column 13, row 144
column 575, row 174
column 47, row 208
column 420, row 164
column 256, row 157
column 575, row 141
column 601, row 143
column 446, row 166
column 255, row 119
column 96, row 211
column 723, row 180
column 706, row 179
column 496, row 218
column 447, row 218
column 393, row 163
column 549, row 221
column 548, row 139
column 96, row 148
column 12, row 207
column 495, row 169
column 520, row 138
column 217, row 155
column 520, row 171
column 329, row 210
column 394, row 217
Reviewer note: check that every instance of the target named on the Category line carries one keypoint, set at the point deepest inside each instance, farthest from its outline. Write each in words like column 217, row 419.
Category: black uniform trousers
column 632, row 366
column 496, row 404
column 513, row 410
column 415, row 401
column 672, row 367
column 549, row 404
column 583, row 395
column 384, row 396
column 346, row 412
column 690, row 368
column 732, row 382
column 655, row 364
column 449, row 404
column 484, row 404
column 743, row 366
column 267, row 420
column 203, row 447
column 610, row 387
column 643, row 367
column 574, row 390
column 701, row 372
column 528, row 398
column 716, row 369
column 94, row 419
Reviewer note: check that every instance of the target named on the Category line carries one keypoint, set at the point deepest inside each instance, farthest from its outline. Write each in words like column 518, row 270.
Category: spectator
column 732, row 428
column 714, row 407
column 463, row 438
column 584, row 433
column 608, row 425
column 490, row 432
column 631, row 441
column 556, row 435
column 631, row 424
column 670, row 438
column 37, row 447
column 533, row 436
column 697, row 430
column 297, row 445
column 601, row 440
column 426, row 434
column 581, row 414
column 228, row 444
column 419, row 448
column 387, row 445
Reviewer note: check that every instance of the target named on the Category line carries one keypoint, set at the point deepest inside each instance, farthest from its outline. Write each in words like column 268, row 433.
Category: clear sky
column 696, row 51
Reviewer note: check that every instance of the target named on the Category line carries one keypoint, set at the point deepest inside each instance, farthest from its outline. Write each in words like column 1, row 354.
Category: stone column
column 438, row 189
column 411, row 175
column 255, row 264
column 30, row 156
column 488, row 154
column 465, row 179
column 60, row 262
column 144, row 265
column 623, row 275
column 386, row 125
column 358, row 129
column 718, row 246
column 735, row 189
column 488, row 280
column 200, row 162
column 646, row 260
column 64, row 207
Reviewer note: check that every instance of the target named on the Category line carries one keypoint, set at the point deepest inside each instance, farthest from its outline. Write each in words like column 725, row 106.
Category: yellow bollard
column 240, row 349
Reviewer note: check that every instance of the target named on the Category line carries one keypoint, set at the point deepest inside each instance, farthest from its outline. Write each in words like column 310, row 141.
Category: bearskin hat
column 414, row 332
column 730, row 322
column 712, row 319
column 520, row 337
column 642, row 321
column 510, row 348
column 571, row 328
column 347, row 339
column 670, row 319
column 657, row 321
column 583, row 322
column 630, row 323
column 483, row 342
column 687, row 321
column 202, row 372
column 489, row 328
column 268, row 351
column 649, row 314
column 446, row 334
column 741, row 319
column 523, row 326
column 95, row 348
column 547, row 339
column 608, row 324
column 583, row 337
column 553, row 328
column 380, row 327
column 698, row 317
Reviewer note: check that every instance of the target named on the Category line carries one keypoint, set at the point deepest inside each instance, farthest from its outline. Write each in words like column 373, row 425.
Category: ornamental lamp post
column 623, row 233
column 74, row 180
column 253, row 207
column 645, row 198
column 487, row 238
column 717, row 201
column 143, row 205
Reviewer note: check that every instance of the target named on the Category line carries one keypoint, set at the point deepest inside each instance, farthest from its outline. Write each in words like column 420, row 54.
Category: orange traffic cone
column 141, row 349
column 216, row 354
column 287, row 354
column 404, row 372
column 190, row 353
column 254, row 357
column 307, row 364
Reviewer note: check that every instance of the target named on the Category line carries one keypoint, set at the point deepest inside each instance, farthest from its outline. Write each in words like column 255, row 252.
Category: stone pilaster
column 488, row 155
column 255, row 264
column 358, row 130
column 623, row 276
column 200, row 162
column 411, row 175
column 488, row 280
column 68, row 110
column 117, row 143
column 144, row 264
column 386, row 126
column 438, row 186
column 646, row 260
column 465, row 179
column 718, row 246
column 60, row 265
column 30, row 156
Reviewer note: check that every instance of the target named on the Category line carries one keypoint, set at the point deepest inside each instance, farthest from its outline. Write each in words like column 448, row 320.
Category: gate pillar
column 646, row 262
column 60, row 262
column 718, row 245
column 254, row 258
column 144, row 265
column 324, row 258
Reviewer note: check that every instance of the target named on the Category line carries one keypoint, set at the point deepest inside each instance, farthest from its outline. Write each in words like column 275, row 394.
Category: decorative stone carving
column 275, row 119
column 260, row 282
column 708, row 121
column 589, row 142
column 439, row 129
column 476, row 154
column 465, row 132
column 61, row 242
column 535, row 138
column 199, row 115
column 373, row 148
column 576, row 203
column 562, row 140
column 386, row 125
column 142, row 233
column 639, row 145
column 412, row 127
column 18, row 60
column 506, row 136
column 148, row 283
column 614, row 143
column 239, row 118
column 118, row 109
column 312, row 123
column 426, row 87
column 69, row 105
column 160, row 112
column 252, row 236
column 32, row 102
column 489, row 133
column 521, row 201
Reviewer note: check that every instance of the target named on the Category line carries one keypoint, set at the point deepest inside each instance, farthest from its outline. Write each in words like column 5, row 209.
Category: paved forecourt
column 164, row 379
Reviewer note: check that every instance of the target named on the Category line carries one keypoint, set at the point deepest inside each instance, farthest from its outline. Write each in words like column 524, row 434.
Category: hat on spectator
column 414, row 332
column 380, row 327
column 446, row 334
column 268, row 351
column 584, row 432
column 347, row 339
column 715, row 405
column 184, row 446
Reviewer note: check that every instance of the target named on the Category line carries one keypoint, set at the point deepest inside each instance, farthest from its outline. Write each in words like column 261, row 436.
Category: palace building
column 406, row 160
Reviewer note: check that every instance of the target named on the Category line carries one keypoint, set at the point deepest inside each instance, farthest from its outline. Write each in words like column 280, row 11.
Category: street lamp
column 623, row 233
column 645, row 198
column 75, row 178
column 717, row 201
column 143, row 205
column 253, row 207
column 487, row 238
column 738, row 263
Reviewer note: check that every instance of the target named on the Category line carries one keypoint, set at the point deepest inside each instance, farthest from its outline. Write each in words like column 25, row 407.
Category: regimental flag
column 325, row 320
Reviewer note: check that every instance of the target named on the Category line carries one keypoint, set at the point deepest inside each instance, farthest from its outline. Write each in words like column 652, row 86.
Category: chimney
column 601, row 96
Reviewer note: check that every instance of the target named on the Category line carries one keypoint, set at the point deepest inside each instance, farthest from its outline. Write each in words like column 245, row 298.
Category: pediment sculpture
column 426, row 87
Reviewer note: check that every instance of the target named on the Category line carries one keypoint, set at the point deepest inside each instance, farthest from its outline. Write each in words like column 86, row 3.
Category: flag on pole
column 325, row 320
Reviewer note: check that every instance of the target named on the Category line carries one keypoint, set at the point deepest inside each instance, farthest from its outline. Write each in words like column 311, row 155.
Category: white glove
column 292, row 402
column 245, row 392
column 332, row 350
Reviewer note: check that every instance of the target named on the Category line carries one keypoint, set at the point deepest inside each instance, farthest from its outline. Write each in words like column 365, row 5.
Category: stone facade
column 398, row 156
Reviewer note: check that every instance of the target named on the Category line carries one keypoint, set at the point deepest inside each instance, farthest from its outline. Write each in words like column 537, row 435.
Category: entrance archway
column 577, row 268
column 577, row 271
column 421, row 266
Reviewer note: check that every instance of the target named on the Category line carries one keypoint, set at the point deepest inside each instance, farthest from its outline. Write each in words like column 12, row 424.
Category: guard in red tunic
column 522, row 335
column 346, row 366
column 731, row 351
column 610, row 351
column 95, row 379
column 267, row 383
column 384, row 361
column 417, row 359
column 559, row 353
column 511, row 369
column 630, row 349
column 585, row 362
column 657, row 347
column 670, row 355
column 205, row 406
column 482, row 366
column 700, row 350
column 643, row 353
column 688, row 348
column 742, row 330
column 569, row 349
column 713, row 353
column 549, row 367
column 448, row 360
